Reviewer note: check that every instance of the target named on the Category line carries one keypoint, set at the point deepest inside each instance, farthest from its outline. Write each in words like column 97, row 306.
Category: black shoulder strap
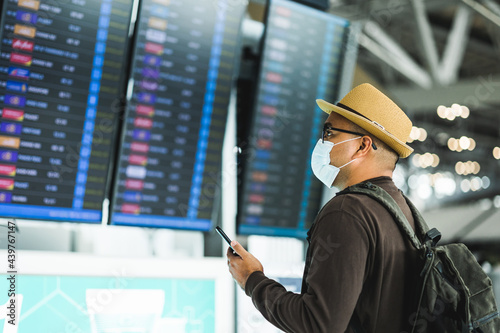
column 384, row 198
column 419, row 220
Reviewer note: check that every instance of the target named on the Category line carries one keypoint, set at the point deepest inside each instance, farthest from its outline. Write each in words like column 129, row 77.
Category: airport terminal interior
column 130, row 129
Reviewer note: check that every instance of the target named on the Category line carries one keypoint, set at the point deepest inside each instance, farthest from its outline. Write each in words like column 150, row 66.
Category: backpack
column 456, row 295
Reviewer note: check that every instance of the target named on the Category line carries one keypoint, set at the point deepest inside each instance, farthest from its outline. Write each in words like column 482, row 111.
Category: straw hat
column 370, row 109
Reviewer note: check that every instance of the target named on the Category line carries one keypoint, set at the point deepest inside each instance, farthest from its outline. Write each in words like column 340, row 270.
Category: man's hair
column 387, row 154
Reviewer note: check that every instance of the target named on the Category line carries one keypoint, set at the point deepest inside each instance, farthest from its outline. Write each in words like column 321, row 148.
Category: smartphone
column 224, row 236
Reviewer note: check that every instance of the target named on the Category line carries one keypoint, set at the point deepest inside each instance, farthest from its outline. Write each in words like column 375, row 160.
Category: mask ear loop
column 340, row 167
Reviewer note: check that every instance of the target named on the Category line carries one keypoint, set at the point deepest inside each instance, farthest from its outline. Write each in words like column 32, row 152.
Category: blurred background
column 129, row 129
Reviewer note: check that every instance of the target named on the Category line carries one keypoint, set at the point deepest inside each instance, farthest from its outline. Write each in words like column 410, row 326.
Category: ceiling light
column 441, row 111
column 496, row 201
column 476, row 184
column 453, row 144
column 496, row 153
column 476, row 168
column 456, row 109
column 415, row 133
column 465, row 185
column 472, row 145
column 469, row 168
column 428, row 159
column 445, row 185
column 423, row 135
column 486, row 182
column 464, row 142
column 465, row 112
column 435, row 160
column 416, row 160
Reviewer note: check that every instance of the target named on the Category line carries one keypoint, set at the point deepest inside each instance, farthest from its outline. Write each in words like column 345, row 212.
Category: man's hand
column 242, row 264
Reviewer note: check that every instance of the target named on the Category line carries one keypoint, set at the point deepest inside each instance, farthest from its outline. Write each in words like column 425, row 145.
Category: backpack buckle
column 368, row 185
column 432, row 236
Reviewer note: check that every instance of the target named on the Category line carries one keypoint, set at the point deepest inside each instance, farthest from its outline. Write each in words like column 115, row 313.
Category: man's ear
column 365, row 147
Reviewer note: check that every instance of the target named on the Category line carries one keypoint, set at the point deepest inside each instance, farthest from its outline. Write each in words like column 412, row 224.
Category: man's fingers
column 242, row 264
column 238, row 248
column 230, row 253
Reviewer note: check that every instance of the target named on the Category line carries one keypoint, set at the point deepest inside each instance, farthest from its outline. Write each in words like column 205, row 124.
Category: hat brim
column 401, row 148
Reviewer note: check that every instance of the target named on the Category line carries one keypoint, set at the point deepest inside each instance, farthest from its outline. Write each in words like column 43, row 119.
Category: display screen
column 90, row 293
column 135, row 304
column 170, row 157
column 61, row 69
column 301, row 61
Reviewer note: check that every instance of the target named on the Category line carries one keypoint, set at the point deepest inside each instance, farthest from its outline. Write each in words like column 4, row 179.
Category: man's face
column 340, row 154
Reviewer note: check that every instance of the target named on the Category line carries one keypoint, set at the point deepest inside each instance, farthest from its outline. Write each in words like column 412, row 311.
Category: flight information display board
column 61, row 69
column 302, row 59
column 182, row 72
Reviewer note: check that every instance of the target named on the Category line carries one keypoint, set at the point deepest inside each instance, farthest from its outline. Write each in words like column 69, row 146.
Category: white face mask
column 320, row 162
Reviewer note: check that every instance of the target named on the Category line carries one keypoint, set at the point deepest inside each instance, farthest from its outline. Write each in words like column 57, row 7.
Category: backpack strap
column 420, row 223
column 384, row 198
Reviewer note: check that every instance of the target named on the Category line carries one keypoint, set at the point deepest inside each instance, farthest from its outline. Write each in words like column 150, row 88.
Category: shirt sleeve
column 339, row 254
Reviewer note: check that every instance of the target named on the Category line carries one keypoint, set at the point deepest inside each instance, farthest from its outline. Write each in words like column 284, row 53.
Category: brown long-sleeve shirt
column 358, row 261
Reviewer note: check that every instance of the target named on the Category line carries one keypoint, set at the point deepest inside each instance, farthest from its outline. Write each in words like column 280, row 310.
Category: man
column 359, row 263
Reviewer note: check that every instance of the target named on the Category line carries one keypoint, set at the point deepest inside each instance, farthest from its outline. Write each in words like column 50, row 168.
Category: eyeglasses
column 326, row 133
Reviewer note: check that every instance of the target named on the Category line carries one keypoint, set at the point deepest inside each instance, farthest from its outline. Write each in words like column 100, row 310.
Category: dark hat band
column 359, row 114
column 352, row 110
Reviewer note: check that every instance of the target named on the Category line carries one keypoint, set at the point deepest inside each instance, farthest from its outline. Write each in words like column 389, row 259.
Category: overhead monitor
column 62, row 66
column 170, row 157
column 302, row 58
